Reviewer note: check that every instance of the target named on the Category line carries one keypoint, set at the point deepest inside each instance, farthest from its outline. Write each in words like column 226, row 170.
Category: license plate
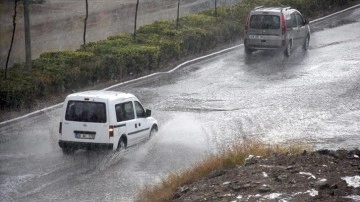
column 256, row 36
column 84, row 136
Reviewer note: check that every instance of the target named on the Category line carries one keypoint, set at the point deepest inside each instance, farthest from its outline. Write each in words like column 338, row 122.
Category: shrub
column 16, row 92
column 139, row 59
column 198, row 21
column 164, row 28
column 192, row 40
column 63, row 70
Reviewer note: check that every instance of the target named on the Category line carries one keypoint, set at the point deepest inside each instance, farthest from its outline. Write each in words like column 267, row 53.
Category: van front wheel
column 306, row 43
column 287, row 51
column 152, row 132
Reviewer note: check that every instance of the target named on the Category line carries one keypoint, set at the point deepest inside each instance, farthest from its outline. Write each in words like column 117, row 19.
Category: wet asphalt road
column 311, row 97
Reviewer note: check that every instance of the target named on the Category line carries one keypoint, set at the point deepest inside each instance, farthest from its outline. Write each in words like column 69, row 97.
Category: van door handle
column 135, row 125
column 139, row 124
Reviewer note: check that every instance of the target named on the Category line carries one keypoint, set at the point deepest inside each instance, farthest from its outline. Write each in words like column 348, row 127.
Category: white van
column 104, row 119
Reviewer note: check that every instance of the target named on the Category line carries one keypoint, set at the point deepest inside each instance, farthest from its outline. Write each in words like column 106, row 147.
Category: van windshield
column 265, row 22
column 83, row 111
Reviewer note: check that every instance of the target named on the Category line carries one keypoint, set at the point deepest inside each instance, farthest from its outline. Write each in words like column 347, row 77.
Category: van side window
column 300, row 19
column 120, row 115
column 293, row 20
column 140, row 112
column 289, row 24
column 124, row 111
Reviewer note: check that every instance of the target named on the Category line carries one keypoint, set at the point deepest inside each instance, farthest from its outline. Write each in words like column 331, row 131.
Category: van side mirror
column 306, row 21
column 148, row 113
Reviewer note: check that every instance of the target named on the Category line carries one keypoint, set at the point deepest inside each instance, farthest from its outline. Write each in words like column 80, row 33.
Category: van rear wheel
column 248, row 51
column 121, row 145
column 68, row 150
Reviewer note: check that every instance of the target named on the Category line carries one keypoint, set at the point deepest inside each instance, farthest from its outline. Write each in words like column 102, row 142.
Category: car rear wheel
column 287, row 51
column 306, row 43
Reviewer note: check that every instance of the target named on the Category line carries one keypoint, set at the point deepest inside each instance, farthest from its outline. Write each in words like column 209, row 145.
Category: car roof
column 102, row 94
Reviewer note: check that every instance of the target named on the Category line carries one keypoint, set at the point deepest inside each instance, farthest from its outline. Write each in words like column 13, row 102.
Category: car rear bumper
column 84, row 145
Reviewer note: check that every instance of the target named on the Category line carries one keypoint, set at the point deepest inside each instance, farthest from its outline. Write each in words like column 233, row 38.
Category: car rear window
column 265, row 22
column 83, row 111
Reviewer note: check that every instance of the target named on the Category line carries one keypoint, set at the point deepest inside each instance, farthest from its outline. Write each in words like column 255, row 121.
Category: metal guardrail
column 335, row 14
column 172, row 70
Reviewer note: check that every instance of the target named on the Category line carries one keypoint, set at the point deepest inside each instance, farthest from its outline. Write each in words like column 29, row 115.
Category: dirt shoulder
column 317, row 176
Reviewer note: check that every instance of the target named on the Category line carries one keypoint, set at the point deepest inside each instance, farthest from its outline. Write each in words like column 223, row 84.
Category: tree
column 215, row 8
column 12, row 40
column 27, row 36
column 136, row 12
column 178, row 14
column 85, row 21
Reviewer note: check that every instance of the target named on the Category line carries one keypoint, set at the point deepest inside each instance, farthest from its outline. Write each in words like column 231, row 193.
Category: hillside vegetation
column 121, row 57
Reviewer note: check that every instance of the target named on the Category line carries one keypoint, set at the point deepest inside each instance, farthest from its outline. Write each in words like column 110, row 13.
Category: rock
column 281, row 178
column 334, row 186
column 290, row 167
column 292, row 181
column 264, row 188
column 184, row 189
column 216, row 173
column 176, row 196
column 180, row 191
column 251, row 161
column 245, row 186
column 321, row 184
column 323, row 152
column 236, row 188
column 217, row 191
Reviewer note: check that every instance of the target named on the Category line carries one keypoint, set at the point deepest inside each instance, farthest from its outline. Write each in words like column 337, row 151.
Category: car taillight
column 283, row 23
column 247, row 24
column 60, row 127
column 111, row 131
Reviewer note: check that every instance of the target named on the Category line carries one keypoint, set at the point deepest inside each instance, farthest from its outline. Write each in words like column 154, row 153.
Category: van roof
column 108, row 95
column 270, row 9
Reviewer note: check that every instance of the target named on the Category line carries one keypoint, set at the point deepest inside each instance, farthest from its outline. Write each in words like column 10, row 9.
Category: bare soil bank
column 318, row 176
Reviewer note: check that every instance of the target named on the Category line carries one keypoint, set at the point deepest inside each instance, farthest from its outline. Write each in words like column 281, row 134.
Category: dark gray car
column 269, row 28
